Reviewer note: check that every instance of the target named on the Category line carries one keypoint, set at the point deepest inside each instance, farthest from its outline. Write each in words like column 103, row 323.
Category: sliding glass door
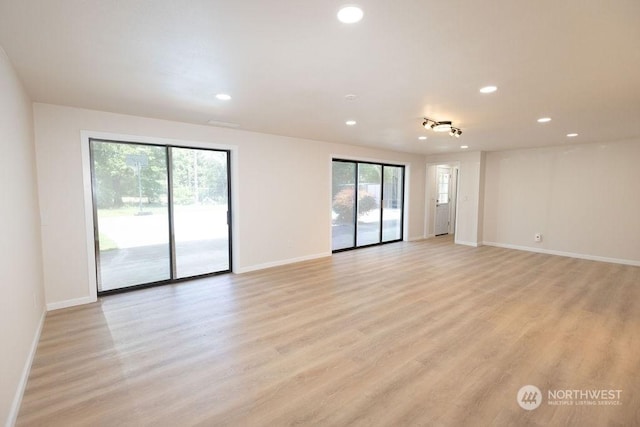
column 367, row 204
column 160, row 213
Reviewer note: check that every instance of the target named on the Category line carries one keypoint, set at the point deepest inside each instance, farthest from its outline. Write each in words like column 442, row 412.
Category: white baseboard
column 562, row 253
column 70, row 303
column 17, row 399
column 282, row 262
column 462, row 242
column 416, row 238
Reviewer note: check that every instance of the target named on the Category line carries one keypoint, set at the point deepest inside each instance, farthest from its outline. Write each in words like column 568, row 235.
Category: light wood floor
column 422, row 333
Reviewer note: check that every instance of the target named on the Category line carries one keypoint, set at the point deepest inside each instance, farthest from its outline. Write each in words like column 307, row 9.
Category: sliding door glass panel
column 200, row 211
column 392, row 203
column 131, row 213
column 368, row 203
column 343, row 205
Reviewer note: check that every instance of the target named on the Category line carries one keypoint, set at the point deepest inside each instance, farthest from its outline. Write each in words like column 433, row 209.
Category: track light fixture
column 444, row 126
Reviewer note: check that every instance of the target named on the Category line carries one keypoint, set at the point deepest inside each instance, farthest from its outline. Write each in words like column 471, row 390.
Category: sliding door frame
column 170, row 212
column 355, row 197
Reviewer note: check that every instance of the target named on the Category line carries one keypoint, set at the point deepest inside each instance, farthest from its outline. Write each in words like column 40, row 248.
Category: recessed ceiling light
column 350, row 122
column 544, row 120
column 350, row 14
column 422, row 138
column 223, row 97
column 488, row 89
column 464, row 147
column 351, row 97
column 572, row 135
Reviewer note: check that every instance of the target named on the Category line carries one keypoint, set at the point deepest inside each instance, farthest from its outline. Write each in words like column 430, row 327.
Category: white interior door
column 443, row 201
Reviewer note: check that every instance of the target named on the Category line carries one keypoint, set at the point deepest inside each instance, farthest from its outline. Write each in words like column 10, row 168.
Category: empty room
column 272, row 213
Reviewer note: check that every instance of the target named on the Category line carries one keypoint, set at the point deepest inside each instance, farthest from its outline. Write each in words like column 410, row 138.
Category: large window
column 367, row 204
column 160, row 213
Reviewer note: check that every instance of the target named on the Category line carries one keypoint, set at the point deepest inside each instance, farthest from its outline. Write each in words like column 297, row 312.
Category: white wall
column 282, row 190
column 584, row 199
column 470, row 179
column 21, row 289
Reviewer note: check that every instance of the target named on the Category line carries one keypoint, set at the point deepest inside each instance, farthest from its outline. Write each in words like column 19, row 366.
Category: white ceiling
column 289, row 64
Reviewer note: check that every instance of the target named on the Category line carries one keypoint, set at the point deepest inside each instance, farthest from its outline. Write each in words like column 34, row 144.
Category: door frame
column 232, row 171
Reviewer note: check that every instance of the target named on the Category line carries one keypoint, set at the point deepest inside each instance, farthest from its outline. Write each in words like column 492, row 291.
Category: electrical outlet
column 537, row 237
